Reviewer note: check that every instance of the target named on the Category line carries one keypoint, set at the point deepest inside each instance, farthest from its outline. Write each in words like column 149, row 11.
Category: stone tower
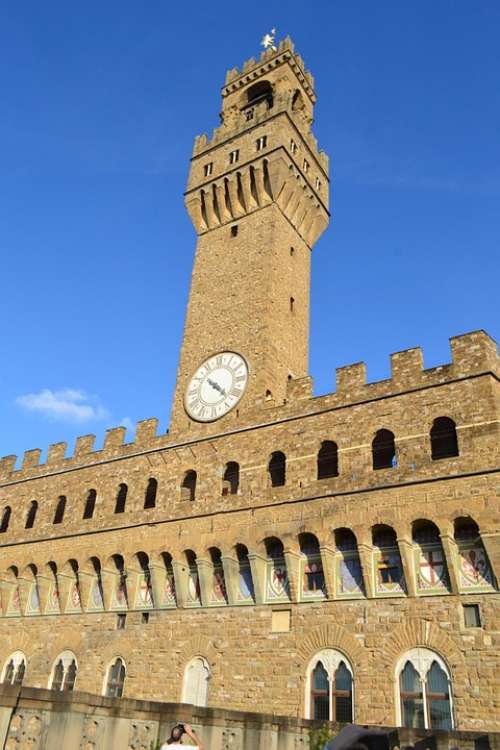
column 258, row 197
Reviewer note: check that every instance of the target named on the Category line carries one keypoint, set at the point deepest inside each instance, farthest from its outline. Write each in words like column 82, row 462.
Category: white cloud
column 67, row 404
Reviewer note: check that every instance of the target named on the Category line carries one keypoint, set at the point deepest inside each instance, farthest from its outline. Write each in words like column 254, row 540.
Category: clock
column 216, row 387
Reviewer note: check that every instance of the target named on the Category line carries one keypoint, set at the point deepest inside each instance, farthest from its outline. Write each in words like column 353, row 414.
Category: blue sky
column 100, row 105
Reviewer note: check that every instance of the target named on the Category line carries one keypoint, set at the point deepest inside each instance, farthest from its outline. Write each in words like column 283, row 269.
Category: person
column 174, row 741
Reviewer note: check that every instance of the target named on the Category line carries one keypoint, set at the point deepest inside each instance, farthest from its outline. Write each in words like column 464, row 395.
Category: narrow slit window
column 208, row 169
column 234, row 156
column 234, row 230
column 261, row 142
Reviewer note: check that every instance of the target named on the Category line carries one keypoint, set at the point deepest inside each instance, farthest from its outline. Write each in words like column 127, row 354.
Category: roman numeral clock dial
column 216, row 387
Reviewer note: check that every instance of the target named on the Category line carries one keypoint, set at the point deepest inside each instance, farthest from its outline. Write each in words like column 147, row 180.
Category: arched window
column 218, row 594
column 195, row 686
column 384, row 450
column 188, row 486
column 349, row 575
column 328, row 460
column 261, row 91
column 60, row 508
column 245, row 590
column 329, row 687
column 193, row 587
column 231, row 478
column 387, row 566
column 14, row 669
column 121, row 498
column 474, row 568
column 431, row 570
column 277, row 587
column 277, row 469
column 31, row 515
column 90, row 504
column 444, row 443
column 313, row 579
column 151, row 490
column 115, row 679
column 64, row 672
column 5, row 519
column 424, row 686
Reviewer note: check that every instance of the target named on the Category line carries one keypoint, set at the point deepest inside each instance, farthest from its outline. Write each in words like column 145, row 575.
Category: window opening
column 231, row 480
column 151, row 490
column 327, row 462
column 116, row 679
column 121, row 498
column 444, row 443
column 277, row 469
column 121, row 619
column 208, row 169
column 234, row 230
column 60, row 508
column 90, row 504
column 384, row 450
column 261, row 91
column 305, row 166
column 5, row 520
column 472, row 616
column 261, row 142
column 30, row 518
column 234, row 156
column 293, row 146
column 188, row 486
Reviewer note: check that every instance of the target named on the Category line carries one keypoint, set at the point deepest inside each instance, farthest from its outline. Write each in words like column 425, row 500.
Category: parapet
column 471, row 354
column 114, row 444
column 252, row 67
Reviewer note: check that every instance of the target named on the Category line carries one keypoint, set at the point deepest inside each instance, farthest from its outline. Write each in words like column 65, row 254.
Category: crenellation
column 350, row 379
column 474, row 352
column 145, row 432
column 56, row 453
column 299, row 389
column 407, row 366
column 114, row 439
column 84, row 445
column 31, row 459
column 7, row 465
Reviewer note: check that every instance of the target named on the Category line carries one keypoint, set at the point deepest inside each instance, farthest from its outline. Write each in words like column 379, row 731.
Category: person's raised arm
column 191, row 733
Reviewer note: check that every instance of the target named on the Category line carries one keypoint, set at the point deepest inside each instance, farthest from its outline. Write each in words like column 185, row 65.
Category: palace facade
column 332, row 557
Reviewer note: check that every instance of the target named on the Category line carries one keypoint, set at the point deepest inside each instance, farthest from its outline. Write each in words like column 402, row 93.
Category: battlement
column 268, row 66
column 472, row 354
column 270, row 57
column 114, row 445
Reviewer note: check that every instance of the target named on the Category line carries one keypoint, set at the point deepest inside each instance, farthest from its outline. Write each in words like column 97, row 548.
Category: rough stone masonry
column 330, row 557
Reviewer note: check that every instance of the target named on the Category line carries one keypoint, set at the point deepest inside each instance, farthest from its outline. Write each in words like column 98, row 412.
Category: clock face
column 216, row 387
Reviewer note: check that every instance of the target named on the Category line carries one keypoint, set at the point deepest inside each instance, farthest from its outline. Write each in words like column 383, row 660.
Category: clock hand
column 216, row 386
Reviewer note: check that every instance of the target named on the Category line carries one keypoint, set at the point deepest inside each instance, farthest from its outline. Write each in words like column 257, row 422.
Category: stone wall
column 42, row 720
